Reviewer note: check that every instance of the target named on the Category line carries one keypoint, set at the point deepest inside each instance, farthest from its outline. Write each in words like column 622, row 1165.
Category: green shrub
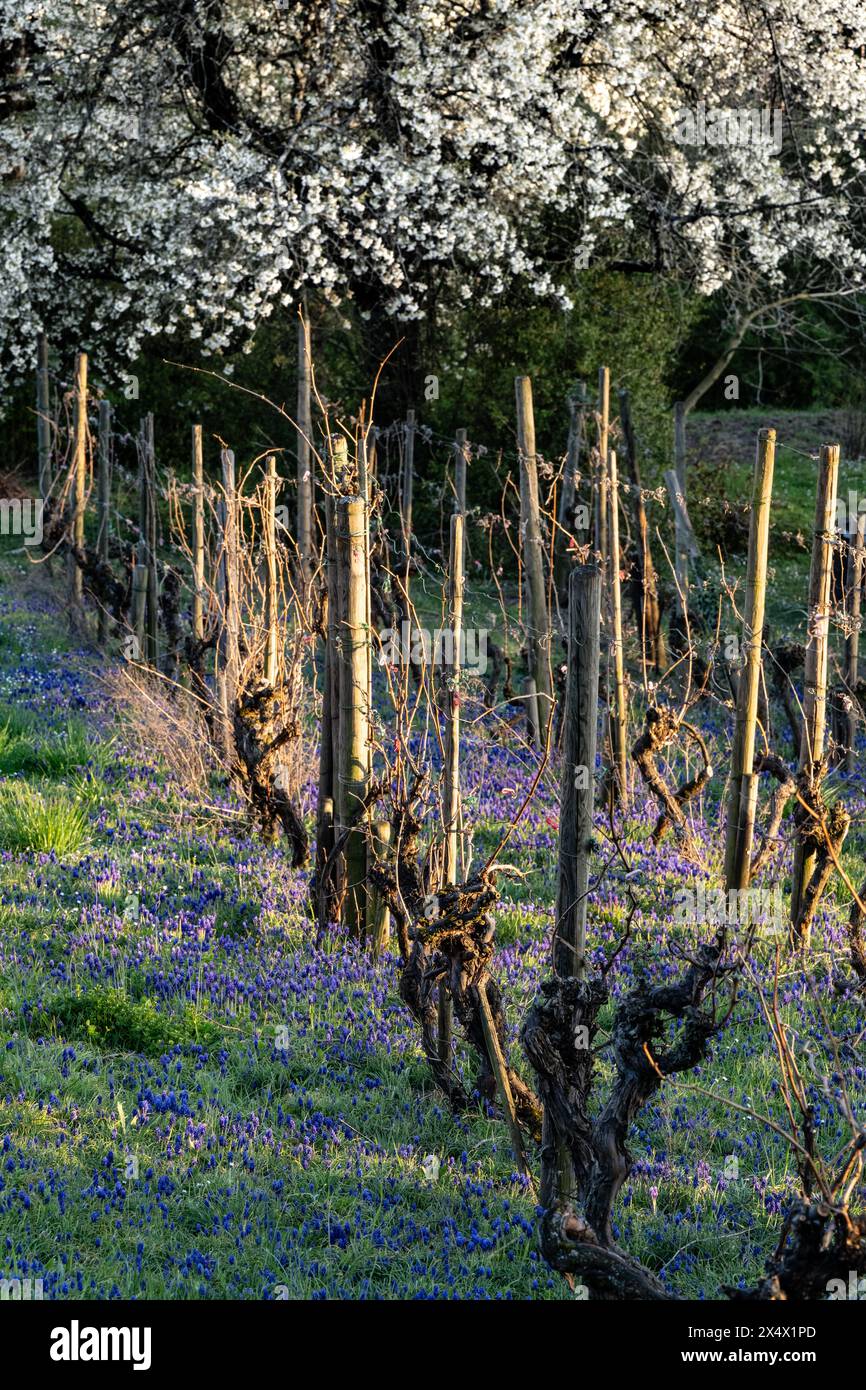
column 30, row 821
column 110, row 1020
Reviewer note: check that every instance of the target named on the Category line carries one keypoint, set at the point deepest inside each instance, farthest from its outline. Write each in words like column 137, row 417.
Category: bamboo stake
column 197, row 535
column 305, row 458
column 373, row 451
column 852, row 643
column 352, row 546
column 743, row 787
column 817, row 650
column 79, row 473
column 503, row 1085
column 104, row 501
column 43, row 416
column 619, row 724
column 269, row 523
column 536, row 597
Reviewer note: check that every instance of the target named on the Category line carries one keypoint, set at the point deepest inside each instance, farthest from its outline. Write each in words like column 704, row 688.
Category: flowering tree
column 193, row 164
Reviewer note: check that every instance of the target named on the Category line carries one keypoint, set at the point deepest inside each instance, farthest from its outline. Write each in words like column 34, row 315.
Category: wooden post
column 408, row 476
column 197, row 535
column 680, row 445
column 817, row 648
column 461, row 461
column 305, row 458
column 686, row 541
column 406, row 486
column 380, row 913
column 577, row 794
column 453, row 865
column 452, row 718
column 43, row 416
column 648, row 615
column 330, row 720
column 601, row 506
column 148, row 529
column 538, row 621
column 325, row 837
column 580, row 723
column 152, row 544
column 269, row 527
column 363, row 463
column 619, row 723
column 743, row 786
column 568, row 496
column 352, row 545
column 366, row 460
column 139, row 601
column 221, row 653
column 682, row 558
column 79, row 473
column 228, row 652
column 530, row 701
column 337, row 609
column 104, row 501
column 340, row 463
column 852, row 643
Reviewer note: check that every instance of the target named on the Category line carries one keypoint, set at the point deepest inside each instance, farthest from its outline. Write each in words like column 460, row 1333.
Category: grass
column 23, row 749
column 31, row 821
